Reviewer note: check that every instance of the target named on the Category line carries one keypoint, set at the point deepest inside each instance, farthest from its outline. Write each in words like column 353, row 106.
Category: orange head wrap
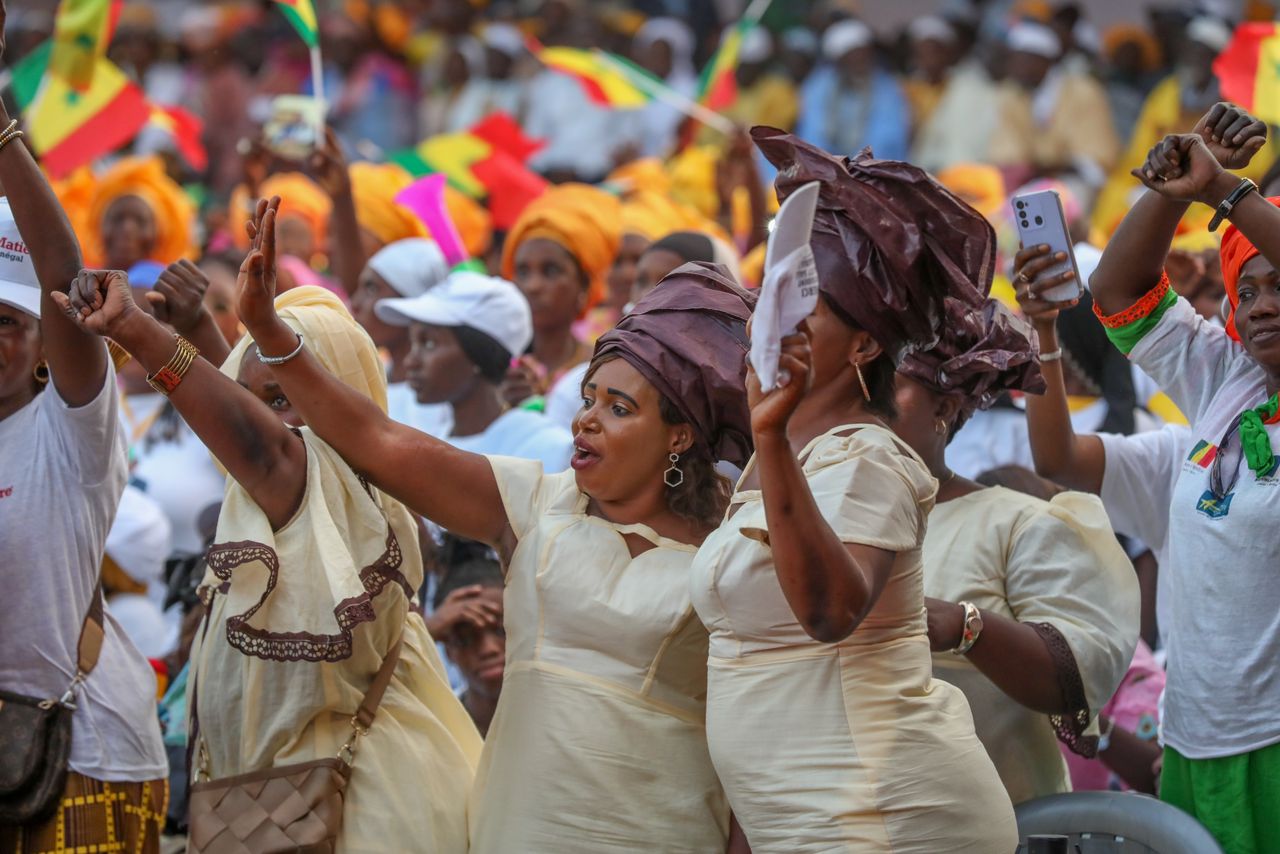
column 980, row 185
column 586, row 221
column 299, row 197
column 647, row 173
column 1119, row 35
column 374, row 186
column 1235, row 252
column 74, row 193
column 145, row 178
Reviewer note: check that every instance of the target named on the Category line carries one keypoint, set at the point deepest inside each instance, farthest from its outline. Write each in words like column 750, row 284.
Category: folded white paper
column 789, row 292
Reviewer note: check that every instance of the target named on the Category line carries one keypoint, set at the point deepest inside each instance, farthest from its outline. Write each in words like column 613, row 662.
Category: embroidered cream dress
column 1057, row 566
column 299, row 622
column 851, row 746
column 598, row 744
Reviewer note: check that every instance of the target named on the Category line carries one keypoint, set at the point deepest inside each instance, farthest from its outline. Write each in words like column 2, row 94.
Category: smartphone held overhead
column 291, row 131
column 1040, row 222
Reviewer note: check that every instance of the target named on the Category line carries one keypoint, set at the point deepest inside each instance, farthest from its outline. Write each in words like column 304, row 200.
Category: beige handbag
column 292, row 808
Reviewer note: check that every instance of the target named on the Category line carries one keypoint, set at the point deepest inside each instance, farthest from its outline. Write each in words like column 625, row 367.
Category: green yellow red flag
column 1249, row 70
column 302, row 14
column 69, row 127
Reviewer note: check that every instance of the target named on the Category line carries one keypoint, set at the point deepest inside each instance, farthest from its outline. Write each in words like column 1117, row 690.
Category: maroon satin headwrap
column 688, row 337
column 890, row 242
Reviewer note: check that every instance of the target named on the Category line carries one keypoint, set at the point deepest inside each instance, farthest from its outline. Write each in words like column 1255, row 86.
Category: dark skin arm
column 830, row 585
column 346, row 255
column 255, row 447
column 737, row 168
column 1131, row 757
column 77, row 360
column 453, row 488
column 1076, row 462
column 178, row 300
column 1181, row 170
column 1011, row 654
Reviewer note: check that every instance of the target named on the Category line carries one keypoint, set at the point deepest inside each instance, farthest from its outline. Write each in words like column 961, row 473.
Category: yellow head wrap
column 300, row 197
column 332, row 336
column 980, row 185
column 655, row 215
column 145, row 178
column 374, row 186
column 586, row 221
column 472, row 221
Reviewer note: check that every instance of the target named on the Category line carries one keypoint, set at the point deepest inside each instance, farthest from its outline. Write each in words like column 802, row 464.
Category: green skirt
column 1236, row 797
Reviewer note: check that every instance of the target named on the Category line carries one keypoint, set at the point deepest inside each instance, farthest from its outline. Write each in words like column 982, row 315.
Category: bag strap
column 363, row 718
column 373, row 697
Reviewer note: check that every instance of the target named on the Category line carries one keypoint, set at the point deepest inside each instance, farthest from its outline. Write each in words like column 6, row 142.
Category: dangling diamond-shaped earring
column 673, row 477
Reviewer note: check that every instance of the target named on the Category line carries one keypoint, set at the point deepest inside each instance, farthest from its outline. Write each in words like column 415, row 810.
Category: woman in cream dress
column 1056, row 595
column 597, row 744
column 824, row 722
column 311, row 582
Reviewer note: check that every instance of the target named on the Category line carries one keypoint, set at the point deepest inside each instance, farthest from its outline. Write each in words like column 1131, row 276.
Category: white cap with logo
column 484, row 303
column 19, row 286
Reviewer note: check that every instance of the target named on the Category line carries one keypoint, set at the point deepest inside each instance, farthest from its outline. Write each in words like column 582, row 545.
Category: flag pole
column 669, row 96
column 317, row 88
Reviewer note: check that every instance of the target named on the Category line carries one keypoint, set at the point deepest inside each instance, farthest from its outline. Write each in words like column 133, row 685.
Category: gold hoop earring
column 866, row 393
column 40, row 373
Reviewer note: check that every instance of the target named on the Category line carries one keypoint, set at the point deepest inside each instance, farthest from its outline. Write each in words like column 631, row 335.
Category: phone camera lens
column 1039, row 221
column 1021, row 204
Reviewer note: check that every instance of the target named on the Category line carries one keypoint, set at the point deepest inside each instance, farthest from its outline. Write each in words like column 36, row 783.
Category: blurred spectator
column 664, row 47
column 372, row 103
column 798, row 53
column 1052, row 120
column 849, row 102
column 933, row 44
column 1132, row 57
column 468, row 618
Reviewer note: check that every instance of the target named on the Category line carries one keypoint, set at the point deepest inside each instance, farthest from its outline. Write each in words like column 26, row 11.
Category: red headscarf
column 1236, row 251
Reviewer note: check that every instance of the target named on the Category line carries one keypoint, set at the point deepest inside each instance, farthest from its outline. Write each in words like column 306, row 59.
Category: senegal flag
column 608, row 80
column 1249, row 70
column 302, row 14
column 68, row 126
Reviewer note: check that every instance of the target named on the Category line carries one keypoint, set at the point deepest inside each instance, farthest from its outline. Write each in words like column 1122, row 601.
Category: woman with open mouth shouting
column 598, row 741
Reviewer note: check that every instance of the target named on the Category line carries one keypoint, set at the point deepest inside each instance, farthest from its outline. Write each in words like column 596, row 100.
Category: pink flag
column 425, row 197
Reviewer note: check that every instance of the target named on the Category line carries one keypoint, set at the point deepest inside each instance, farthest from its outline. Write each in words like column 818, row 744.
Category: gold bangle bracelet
column 10, row 133
column 167, row 378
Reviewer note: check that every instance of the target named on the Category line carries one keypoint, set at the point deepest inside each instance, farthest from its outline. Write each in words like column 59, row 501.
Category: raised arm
column 830, row 585
column 454, row 489
column 346, row 252
column 1181, row 169
column 254, row 446
column 77, row 360
column 1074, row 461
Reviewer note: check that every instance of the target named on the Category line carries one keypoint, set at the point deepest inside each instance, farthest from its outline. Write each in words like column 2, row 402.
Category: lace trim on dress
column 1071, row 726
column 224, row 558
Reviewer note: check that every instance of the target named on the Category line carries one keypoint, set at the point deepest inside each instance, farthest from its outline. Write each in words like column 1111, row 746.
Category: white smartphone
column 1040, row 220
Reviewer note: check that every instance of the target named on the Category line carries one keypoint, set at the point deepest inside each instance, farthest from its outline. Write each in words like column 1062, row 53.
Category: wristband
column 280, row 360
column 1051, row 356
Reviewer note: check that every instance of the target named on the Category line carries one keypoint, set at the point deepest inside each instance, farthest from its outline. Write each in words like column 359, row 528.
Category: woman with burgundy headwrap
column 1220, row 728
column 824, row 722
column 598, row 742
column 1032, row 604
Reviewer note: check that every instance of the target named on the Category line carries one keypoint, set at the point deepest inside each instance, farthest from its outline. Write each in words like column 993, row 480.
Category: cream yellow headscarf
column 332, row 336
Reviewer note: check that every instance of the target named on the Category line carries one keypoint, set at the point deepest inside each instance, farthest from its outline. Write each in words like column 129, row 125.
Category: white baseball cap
column 484, row 303
column 411, row 266
column 19, row 286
